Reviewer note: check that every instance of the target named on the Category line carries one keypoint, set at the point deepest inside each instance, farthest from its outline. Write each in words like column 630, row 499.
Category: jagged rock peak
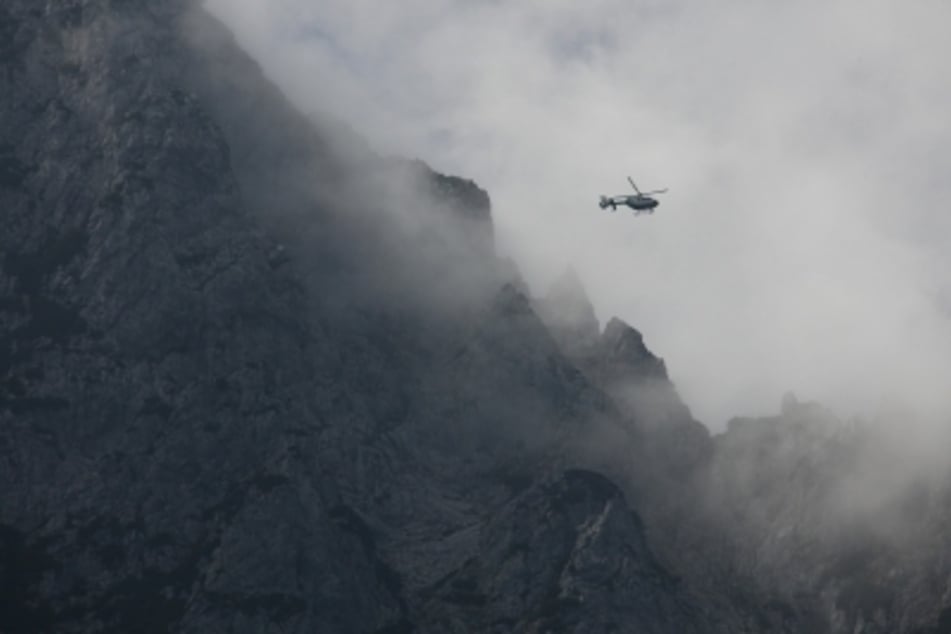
column 794, row 417
column 789, row 403
column 463, row 194
column 624, row 345
column 511, row 301
column 568, row 285
column 466, row 205
column 568, row 307
column 466, row 193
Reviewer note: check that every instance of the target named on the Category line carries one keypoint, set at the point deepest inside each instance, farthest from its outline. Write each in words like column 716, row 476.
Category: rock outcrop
column 157, row 412
column 254, row 377
column 838, row 518
column 233, row 395
column 567, row 555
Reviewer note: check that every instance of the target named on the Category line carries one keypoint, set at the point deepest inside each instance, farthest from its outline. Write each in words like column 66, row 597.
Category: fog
column 803, row 242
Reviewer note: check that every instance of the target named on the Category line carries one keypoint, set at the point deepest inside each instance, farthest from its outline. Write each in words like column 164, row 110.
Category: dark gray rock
column 624, row 355
column 254, row 377
column 567, row 555
column 156, row 406
column 842, row 520
column 231, row 398
column 568, row 313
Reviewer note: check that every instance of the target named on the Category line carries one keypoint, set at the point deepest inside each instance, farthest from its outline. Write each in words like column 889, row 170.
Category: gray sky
column 804, row 243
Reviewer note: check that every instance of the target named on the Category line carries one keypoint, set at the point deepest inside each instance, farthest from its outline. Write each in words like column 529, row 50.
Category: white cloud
column 804, row 241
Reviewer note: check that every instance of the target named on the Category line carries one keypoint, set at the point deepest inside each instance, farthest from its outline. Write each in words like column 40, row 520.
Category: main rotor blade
column 656, row 191
column 631, row 181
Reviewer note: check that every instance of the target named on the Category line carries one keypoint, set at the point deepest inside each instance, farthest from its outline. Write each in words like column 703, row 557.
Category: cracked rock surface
column 256, row 378
column 215, row 413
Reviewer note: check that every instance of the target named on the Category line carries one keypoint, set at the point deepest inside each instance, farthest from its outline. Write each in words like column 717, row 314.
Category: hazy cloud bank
column 804, row 242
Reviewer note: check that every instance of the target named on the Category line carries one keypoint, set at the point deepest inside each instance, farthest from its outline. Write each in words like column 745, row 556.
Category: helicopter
column 641, row 202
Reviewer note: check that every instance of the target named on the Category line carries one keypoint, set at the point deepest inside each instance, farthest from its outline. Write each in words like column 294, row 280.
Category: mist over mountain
column 802, row 244
column 255, row 376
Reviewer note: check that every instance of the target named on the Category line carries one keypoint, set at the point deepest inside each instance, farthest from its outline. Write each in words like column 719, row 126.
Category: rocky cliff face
column 254, row 377
column 229, row 397
column 841, row 519
column 157, row 379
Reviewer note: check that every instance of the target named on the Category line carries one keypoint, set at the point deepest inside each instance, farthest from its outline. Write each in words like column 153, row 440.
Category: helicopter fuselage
column 638, row 203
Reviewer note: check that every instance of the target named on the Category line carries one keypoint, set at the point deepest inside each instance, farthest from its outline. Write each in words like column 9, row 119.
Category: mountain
column 845, row 520
column 255, row 377
column 240, row 387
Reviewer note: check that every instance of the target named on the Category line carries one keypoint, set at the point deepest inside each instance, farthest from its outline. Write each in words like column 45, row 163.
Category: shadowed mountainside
column 247, row 383
column 254, row 377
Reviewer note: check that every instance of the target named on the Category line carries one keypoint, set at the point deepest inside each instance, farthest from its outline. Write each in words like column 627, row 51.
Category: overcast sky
column 804, row 243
